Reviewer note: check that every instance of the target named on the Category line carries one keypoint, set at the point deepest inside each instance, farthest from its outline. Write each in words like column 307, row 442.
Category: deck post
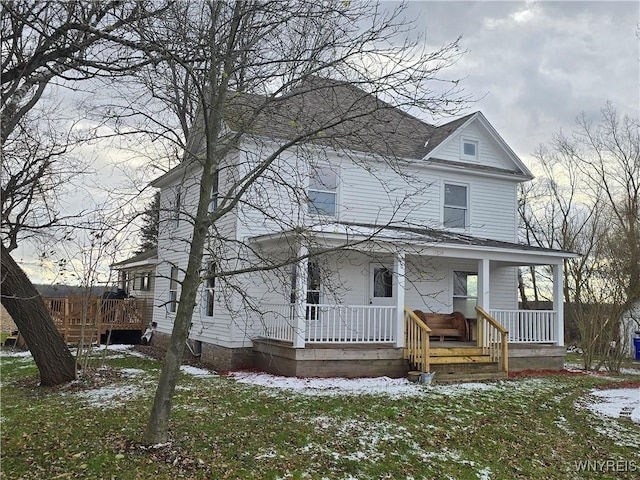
column 399, row 268
column 299, row 318
column 558, row 302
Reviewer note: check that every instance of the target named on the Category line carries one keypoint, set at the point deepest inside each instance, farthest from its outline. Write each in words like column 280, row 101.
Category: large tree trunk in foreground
column 24, row 304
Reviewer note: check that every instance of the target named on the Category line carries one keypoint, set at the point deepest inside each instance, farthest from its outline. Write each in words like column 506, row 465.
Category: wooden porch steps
column 462, row 363
column 445, row 378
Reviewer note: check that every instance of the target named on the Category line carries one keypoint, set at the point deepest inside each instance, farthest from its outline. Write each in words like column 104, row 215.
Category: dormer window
column 469, row 150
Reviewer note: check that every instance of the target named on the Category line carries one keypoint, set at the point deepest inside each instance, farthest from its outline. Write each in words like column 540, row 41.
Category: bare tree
column 588, row 201
column 48, row 44
column 228, row 69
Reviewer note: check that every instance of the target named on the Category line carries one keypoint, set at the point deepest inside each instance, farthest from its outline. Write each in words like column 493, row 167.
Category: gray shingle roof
column 335, row 114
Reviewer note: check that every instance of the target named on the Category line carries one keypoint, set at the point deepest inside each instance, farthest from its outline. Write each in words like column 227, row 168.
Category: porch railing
column 350, row 323
column 493, row 338
column 278, row 321
column 528, row 326
column 416, row 341
column 326, row 323
column 85, row 319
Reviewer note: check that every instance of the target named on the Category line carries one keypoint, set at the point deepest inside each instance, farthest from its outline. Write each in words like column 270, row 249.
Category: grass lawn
column 526, row 427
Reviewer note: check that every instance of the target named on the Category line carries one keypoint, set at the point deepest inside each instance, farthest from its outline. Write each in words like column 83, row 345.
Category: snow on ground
column 109, row 397
column 332, row 386
column 394, row 387
column 197, row 372
column 616, row 403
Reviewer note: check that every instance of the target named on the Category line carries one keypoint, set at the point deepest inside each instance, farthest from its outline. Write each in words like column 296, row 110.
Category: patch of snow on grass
column 394, row 387
column 197, row 372
column 616, row 403
column 14, row 353
column 630, row 371
column 132, row 372
column 109, row 397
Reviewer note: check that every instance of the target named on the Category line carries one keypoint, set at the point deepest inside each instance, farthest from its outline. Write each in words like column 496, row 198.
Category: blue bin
column 636, row 342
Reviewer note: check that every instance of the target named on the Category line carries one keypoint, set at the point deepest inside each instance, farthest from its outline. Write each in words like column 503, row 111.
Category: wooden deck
column 85, row 320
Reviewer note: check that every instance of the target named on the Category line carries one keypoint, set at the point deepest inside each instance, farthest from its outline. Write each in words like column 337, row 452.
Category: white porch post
column 558, row 302
column 300, row 308
column 399, row 268
column 483, row 284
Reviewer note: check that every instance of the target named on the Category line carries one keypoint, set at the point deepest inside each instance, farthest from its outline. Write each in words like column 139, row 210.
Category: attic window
column 469, row 150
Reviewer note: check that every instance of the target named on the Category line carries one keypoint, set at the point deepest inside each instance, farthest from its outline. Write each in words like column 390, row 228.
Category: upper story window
column 456, row 211
column 177, row 204
column 469, row 149
column 213, row 202
column 323, row 191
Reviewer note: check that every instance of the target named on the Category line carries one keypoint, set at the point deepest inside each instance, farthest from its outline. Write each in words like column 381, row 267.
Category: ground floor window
column 465, row 293
column 209, row 284
column 313, row 288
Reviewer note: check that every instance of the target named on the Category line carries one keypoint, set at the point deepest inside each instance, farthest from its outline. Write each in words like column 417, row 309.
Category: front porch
column 364, row 341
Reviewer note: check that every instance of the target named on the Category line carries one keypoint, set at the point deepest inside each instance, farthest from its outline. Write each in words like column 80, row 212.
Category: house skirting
column 533, row 356
column 214, row 356
column 329, row 360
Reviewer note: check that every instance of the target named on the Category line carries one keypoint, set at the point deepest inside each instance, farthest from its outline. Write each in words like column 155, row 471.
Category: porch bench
column 445, row 324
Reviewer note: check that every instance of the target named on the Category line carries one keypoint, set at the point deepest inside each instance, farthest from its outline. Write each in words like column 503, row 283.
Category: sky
column 535, row 66
column 532, row 66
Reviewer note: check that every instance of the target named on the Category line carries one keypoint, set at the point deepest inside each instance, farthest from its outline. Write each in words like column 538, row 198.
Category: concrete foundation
column 214, row 356
column 532, row 356
column 335, row 360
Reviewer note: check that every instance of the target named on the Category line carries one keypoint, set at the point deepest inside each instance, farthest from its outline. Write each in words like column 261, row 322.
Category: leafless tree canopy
column 587, row 200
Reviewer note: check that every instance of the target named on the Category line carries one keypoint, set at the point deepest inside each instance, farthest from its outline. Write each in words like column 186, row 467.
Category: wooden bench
column 453, row 325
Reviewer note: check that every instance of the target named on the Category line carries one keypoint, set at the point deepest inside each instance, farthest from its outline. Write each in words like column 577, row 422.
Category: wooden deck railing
column 416, row 340
column 82, row 319
column 493, row 338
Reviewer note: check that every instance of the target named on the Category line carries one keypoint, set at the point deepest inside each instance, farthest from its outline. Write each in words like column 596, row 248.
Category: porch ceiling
column 421, row 241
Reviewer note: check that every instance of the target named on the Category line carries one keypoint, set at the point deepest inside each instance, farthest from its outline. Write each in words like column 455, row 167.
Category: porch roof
column 421, row 241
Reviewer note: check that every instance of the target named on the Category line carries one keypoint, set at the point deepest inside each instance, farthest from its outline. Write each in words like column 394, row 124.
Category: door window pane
column 382, row 282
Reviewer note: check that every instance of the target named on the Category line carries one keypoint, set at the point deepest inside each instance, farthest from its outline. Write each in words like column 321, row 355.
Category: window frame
column 466, row 295
column 476, row 145
column 173, row 290
column 177, row 204
column 466, row 208
column 310, row 203
column 209, row 289
column 313, row 296
column 215, row 191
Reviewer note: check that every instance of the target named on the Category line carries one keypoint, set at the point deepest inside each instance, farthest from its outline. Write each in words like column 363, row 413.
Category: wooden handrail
column 416, row 340
column 491, row 320
column 486, row 340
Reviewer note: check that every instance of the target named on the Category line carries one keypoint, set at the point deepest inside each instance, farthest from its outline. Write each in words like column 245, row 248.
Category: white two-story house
column 320, row 261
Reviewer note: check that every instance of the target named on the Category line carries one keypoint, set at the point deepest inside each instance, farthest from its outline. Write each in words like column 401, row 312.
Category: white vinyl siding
column 489, row 153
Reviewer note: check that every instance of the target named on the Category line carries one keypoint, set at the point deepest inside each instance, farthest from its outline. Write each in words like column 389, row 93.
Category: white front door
column 382, row 285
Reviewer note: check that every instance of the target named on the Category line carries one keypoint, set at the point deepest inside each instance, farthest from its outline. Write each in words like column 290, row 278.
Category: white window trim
column 468, row 271
column 464, row 156
column 467, row 219
column 215, row 192
column 173, row 303
column 335, row 170
column 209, row 290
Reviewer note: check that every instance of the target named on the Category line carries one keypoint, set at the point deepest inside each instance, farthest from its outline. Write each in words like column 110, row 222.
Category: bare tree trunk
column 24, row 304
